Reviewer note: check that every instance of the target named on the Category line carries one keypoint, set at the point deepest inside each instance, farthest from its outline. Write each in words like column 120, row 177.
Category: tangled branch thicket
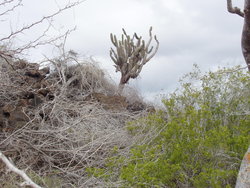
column 50, row 125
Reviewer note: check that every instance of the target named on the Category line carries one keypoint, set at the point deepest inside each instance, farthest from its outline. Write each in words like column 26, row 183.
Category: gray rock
column 243, row 180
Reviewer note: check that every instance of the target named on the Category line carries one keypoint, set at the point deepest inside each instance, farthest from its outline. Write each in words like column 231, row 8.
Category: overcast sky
column 196, row 31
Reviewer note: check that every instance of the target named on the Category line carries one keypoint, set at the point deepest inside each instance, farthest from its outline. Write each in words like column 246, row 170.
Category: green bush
column 199, row 140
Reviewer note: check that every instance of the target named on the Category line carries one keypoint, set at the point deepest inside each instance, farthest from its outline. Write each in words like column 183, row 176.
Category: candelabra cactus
column 131, row 54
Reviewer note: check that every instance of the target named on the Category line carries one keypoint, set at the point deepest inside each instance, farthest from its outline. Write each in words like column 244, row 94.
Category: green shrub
column 198, row 142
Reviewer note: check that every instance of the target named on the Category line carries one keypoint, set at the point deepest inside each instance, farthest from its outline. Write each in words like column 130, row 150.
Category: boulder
column 136, row 106
column 12, row 117
column 33, row 73
column 243, row 180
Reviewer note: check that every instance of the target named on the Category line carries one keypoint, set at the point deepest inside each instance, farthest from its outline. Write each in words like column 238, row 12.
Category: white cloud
column 201, row 32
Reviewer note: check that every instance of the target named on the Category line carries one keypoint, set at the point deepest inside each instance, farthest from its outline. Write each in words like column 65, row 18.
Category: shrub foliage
column 197, row 141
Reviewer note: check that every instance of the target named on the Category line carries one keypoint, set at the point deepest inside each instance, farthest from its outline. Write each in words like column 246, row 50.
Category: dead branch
column 14, row 33
column 66, row 134
column 19, row 3
column 245, row 42
column 234, row 10
column 39, row 40
column 6, row 2
column 12, row 168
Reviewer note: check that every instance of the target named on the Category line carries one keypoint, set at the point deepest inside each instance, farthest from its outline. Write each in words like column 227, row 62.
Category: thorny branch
column 6, row 2
column 39, row 40
column 10, row 9
column 67, row 134
column 68, row 6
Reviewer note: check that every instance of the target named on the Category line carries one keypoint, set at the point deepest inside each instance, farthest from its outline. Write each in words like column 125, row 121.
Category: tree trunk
column 120, row 88
column 124, row 80
column 245, row 40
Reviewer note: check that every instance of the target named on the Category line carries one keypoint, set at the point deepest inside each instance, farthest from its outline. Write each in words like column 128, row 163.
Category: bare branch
column 39, row 42
column 16, row 51
column 67, row 134
column 234, row 10
column 12, row 8
column 5, row 58
column 68, row 6
column 6, row 2
column 11, row 167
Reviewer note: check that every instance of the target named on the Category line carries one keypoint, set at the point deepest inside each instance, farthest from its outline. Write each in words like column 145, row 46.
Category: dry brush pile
column 57, row 120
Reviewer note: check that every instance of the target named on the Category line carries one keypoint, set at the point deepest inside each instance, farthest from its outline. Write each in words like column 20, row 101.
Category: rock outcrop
column 32, row 87
column 243, row 180
column 29, row 89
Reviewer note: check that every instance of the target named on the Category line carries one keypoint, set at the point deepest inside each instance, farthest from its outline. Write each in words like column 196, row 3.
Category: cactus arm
column 155, row 51
column 151, row 49
column 113, row 39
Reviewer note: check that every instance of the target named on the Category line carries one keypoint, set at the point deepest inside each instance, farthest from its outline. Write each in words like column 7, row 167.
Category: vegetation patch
column 197, row 141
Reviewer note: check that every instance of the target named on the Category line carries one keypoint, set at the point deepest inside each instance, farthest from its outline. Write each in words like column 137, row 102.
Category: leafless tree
column 245, row 39
column 10, row 51
column 243, row 177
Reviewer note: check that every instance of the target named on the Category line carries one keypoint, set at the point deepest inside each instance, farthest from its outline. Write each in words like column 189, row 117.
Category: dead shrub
column 65, row 133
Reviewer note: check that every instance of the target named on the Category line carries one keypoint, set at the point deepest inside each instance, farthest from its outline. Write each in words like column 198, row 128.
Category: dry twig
column 11, row 167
